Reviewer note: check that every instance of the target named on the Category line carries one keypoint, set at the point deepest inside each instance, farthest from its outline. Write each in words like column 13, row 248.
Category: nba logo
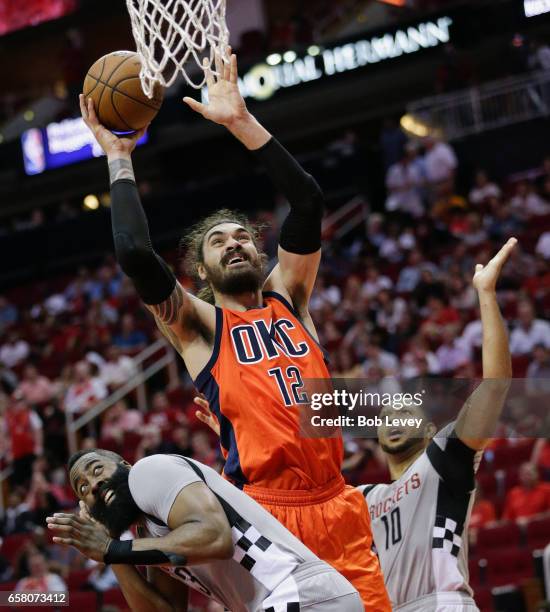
column 34, row 156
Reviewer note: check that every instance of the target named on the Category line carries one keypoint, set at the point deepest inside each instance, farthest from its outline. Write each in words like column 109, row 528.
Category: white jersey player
column 198, row 531
column 420, row 520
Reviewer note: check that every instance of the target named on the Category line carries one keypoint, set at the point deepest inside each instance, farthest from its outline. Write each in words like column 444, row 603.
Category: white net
column 174, row 36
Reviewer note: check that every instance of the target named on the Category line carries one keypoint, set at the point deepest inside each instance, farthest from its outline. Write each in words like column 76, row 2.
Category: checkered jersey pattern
column 290, row 607
column 446, row 535
column 246, row 545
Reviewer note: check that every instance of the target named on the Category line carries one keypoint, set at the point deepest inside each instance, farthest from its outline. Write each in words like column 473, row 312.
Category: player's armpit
column 175, row 591
column 294, row 278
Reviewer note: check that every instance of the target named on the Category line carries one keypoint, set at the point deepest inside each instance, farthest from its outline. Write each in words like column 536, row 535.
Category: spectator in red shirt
column 530, row 498
column 24, row 429
column 36, row 389
column 439, row 315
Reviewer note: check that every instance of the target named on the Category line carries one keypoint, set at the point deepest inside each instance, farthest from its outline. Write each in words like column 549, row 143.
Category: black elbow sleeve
column 152, row 278
column 299, row 188
column 130, row 256
column 301, row 232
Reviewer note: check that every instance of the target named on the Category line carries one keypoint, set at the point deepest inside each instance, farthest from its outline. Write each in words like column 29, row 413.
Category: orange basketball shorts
column 334, row 523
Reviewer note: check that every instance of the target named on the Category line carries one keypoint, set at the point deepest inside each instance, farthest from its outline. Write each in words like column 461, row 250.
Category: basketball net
column 173, row 37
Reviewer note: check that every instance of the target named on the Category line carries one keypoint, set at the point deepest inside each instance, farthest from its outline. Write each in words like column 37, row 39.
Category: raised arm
column 479, row 416
column 179, row 315
column 300, row 240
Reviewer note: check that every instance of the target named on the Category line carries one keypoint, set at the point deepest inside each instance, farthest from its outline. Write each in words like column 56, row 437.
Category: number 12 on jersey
column 290, row 385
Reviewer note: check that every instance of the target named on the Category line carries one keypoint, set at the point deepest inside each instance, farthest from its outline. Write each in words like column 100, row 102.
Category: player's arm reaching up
column 478, row 418
column 300, row 240
column 184, row 319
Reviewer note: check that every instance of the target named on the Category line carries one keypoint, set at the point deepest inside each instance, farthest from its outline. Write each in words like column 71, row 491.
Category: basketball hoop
column 172, row 33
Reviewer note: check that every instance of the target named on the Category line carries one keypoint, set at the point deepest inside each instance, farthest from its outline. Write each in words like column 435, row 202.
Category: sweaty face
column 398, row 439
column 102, row 484
column 232, row 264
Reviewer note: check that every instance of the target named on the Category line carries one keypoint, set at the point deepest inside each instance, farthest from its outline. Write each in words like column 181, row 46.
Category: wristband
column 120, row 552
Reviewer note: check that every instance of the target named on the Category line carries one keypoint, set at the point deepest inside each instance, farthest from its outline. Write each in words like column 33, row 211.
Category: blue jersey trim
column 228, row 440
column 203, row 375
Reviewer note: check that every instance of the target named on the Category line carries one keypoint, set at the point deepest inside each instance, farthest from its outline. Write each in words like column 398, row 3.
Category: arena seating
column 538, row 533
column 507, row 566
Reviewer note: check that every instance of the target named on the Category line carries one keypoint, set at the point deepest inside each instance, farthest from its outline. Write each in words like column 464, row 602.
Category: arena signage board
column 533, row 8
column 59, row 144
column 263, row 80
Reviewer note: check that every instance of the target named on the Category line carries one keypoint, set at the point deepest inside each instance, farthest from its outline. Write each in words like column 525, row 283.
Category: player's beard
column 404, row 447
column 236, row 282
column 122, row 512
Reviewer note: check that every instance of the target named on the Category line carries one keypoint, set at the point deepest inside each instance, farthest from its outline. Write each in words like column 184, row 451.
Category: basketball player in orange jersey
column 250, row 349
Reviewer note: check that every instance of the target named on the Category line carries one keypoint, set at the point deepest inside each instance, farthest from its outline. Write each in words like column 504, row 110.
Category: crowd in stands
column 393, row 299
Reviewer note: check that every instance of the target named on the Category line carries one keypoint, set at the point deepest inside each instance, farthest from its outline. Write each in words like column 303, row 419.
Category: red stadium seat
column 501, row 536
column 77, row 579
column 13, row 543
column 538, row 533
column 511, row 478
column 520, row 364
column 508, row 566
column 484, row 599
column 488, row 482
column 512, row 455
column 8, row 586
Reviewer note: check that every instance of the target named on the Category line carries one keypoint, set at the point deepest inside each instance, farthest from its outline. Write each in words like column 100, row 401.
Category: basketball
column 114, row 85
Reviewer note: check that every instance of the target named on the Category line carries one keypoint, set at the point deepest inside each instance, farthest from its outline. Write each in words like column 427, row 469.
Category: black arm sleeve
column 120, row 552
column 152, row 278
column 455, row 464
column 301, row 231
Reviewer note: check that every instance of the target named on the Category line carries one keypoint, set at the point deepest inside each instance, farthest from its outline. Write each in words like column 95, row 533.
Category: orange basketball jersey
column 254, row 383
